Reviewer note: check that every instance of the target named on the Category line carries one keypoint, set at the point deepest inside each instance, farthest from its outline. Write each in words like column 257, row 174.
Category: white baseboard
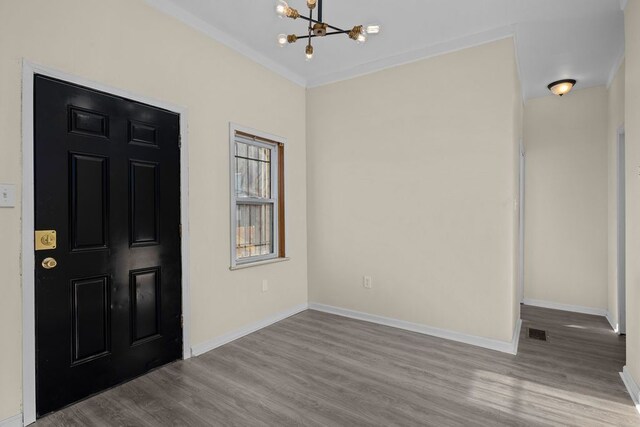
column 206, row 346
column 632, row 387
column 502, row 346
column 565, row 307
column 515, row 340
column 613, row 323
column 15, row 421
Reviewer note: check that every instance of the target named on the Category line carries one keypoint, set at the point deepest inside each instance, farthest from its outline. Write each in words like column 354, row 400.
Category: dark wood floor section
column 318, row 369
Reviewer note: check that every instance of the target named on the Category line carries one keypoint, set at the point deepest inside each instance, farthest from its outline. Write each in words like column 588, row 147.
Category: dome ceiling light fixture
column 317, row 27
column 562, row 87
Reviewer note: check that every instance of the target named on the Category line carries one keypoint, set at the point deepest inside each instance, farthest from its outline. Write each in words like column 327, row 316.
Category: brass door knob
column 49, row 263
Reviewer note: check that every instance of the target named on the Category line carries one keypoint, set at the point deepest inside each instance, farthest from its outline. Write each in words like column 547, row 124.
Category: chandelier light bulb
column 373, row 29
column 362, row 36
column 281, row 8
column 311, row 4
column 309, row 53
column 282, row 40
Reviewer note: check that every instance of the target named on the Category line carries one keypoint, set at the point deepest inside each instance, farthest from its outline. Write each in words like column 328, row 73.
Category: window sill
column 258, row 263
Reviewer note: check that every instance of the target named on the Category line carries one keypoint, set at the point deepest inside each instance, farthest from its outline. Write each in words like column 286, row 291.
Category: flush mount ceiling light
column 561, row 87
column 317, row 27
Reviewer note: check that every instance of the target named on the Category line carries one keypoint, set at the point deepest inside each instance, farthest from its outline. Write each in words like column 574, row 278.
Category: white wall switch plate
column 265, row 285
column 7, row 196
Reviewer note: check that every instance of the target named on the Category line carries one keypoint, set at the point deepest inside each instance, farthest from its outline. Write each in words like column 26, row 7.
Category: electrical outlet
column 265, row 285
column 367, row 282
column 7, row 195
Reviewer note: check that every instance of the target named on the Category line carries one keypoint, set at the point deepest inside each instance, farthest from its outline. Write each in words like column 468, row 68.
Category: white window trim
column 262, row 259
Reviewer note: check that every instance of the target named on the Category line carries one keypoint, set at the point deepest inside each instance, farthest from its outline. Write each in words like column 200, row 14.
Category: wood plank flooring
column 316, row 369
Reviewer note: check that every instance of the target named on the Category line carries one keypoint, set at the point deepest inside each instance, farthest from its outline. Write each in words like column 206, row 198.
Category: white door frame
column 621, row 230
column 521, row 224
column 29, row 69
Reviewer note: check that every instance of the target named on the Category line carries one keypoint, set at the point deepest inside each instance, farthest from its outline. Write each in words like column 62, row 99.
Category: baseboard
column 632, row 387
column 613, row 323
column 565, row 307
column 15, row 421
column 502, row 346
column 206, row 346
column 515, row 340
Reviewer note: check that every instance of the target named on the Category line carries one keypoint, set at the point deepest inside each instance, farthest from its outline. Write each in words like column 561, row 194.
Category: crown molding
column 413, row 56
column 168, row 7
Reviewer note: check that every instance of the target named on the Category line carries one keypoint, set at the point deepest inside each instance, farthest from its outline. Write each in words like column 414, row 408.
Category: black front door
column 108, row 297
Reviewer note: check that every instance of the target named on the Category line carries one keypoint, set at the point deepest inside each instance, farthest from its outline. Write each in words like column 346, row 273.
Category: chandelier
column 317, row 27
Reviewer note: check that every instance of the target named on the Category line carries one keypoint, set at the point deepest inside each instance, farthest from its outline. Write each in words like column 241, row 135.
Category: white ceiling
column 555, row 39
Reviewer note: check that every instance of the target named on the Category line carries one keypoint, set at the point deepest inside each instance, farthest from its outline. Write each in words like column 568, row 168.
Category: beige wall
column 614, row 123
column 411, row 181
column 136, row 48
column 566, row 198
column 632, row 130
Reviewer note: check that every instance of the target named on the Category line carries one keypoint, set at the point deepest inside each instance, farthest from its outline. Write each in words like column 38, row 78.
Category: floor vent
column 537, row 334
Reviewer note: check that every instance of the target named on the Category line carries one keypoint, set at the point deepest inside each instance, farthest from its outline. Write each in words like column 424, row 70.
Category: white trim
column 616, row 68
column 621, row 263
column 565, row 307
column 15, row 421
column 259, row 263
column 28, row 259
column 491, row 344
column 26, row 254
column 623, row 4
column 206, row 346
column 413, row 56
column 515, row 340
column 613, row 323
column 171, row 9
column 632, row 387
column 521, row 220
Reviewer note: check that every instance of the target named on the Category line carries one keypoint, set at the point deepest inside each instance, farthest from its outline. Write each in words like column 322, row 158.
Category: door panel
column 145, row 304
column 107, row 180
column 89, row 177
column 144, row 203
column 90, row 316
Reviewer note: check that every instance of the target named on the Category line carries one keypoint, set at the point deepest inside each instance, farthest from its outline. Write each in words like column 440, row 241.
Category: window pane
column 254, row 230
column 241, row 149
column 253, row 171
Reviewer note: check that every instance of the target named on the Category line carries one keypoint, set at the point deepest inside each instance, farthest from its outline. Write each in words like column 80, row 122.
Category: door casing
column 29, row 69
column 621, row 231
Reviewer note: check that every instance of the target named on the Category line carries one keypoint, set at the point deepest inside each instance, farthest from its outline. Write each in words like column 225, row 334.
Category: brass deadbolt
column 45, row 240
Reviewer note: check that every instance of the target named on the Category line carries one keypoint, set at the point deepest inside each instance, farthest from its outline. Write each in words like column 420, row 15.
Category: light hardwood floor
column 322, row 370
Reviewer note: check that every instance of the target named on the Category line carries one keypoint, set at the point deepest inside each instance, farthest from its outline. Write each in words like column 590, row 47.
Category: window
column 257, row 197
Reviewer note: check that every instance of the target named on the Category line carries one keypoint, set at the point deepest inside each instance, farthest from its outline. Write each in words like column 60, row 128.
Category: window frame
column 276, row 144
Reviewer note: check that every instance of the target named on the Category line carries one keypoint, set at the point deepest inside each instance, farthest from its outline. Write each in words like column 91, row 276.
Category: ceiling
column 555, row 39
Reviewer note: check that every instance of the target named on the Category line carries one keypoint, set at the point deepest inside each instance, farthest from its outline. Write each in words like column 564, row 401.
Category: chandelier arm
column 318, row 22
column 320, row 10
column 313, row 36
